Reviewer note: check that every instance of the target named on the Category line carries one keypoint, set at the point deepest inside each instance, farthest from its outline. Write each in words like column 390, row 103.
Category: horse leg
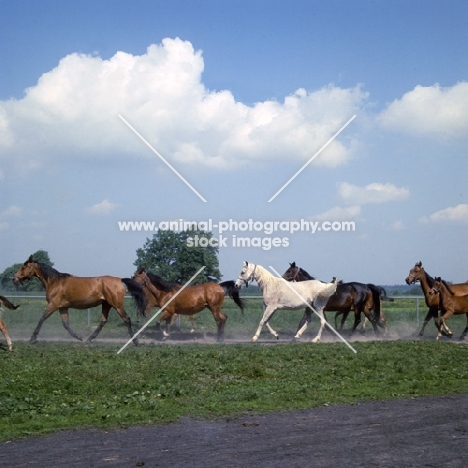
column 303, row 324
column 266, row 316
column 443, row 328
column 166, row 316
column 64, row 316
column 192, row 321
column 431, row 313
column 220, row 319
column 127, row 320
column 50, row 309
column 4, row 330
column 323, row 322
column 357, row 320
column 343, row 319
column 104, row 315
column 465, row 331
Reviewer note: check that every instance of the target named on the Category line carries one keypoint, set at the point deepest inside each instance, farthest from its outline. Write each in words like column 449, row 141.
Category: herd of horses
column 296, row 289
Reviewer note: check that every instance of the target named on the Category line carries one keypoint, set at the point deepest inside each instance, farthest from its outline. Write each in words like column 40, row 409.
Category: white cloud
column 339, row 213
column 72, row 112
column 11, row 211
column 430, row 110
column 455, row 214
column 102, row 209
column 372, row 193
column 397, row 225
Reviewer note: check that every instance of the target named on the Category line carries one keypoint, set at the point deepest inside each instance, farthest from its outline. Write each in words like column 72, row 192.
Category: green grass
column 51, row 386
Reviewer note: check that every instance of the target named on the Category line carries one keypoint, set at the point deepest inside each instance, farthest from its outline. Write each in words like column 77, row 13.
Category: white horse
column 279, row 294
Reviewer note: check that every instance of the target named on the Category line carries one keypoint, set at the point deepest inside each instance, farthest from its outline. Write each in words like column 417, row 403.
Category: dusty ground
column 422, row 432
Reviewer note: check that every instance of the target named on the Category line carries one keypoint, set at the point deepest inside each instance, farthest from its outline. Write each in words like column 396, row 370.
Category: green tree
column 6, row 278
column 169, row 256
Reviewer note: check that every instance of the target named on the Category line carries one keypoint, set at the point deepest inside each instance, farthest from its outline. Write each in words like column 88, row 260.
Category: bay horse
column 450, row 304
column 417, row 273
column 277, row 294
column 4, row 302
column 190, row 301
column 152, row 301
column 358, row 297
column 64, row 291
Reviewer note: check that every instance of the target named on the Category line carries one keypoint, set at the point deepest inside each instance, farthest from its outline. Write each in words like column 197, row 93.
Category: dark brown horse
column 64, row 291
column 417, row 273
column 358, row 297
column 190, row 301
column 4, row 302
column 450, row 304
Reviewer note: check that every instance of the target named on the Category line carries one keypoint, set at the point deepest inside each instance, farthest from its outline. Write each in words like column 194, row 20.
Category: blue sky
column 237, row 96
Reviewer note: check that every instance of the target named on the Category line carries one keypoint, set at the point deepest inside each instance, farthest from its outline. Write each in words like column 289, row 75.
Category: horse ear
column 419, row 264
column 293, row 264
column 246, row 263
column 29, row 260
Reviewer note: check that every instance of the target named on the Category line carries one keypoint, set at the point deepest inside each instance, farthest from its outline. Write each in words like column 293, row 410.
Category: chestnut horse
column 450, row 304
column 190, row 301
column 4, row 302
column 417, row 273
column 359, row 297
column 64, row 291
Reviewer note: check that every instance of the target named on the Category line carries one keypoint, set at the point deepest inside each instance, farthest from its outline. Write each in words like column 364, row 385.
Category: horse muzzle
column 17, row 280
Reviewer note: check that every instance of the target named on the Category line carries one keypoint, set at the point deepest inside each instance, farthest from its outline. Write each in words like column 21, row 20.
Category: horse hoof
column 277, row 337
column 254, row 339
column 315, row 340
column 135, row 342
column 33, row 340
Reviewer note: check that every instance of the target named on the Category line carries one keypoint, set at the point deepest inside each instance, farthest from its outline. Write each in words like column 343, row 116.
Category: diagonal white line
column 161, row 309
column 312, row 158
column 313, row 310
column 162, row 159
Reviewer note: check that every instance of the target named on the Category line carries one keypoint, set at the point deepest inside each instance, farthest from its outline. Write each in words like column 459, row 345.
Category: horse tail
column 6, row 303
column 230, row 288
column 383, row 295
column 375, row 290
column 137, row 294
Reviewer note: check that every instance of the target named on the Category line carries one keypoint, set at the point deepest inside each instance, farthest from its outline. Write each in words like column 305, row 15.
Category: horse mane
column 449, row 289
column 166, row 286
column 49, row 273
column 305, row 274
column 265, row 278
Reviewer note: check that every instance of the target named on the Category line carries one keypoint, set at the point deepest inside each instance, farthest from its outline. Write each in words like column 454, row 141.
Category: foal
column 450, row 304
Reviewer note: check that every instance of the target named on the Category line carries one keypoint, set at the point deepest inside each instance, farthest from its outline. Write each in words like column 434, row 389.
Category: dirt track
column 422, row 432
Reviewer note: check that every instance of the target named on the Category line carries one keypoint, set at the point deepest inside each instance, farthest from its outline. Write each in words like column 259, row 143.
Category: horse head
column 140, row 276
column 245, row 275
column 291, row 273
column 436, row 286
column 415, row 274
column 26, row 272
